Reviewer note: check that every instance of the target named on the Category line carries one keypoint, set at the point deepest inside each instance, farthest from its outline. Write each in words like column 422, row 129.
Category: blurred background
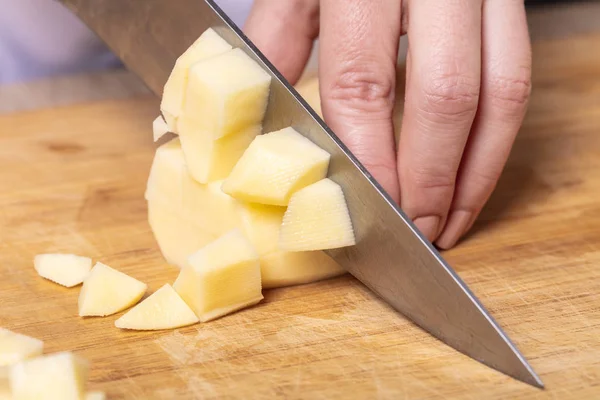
column 41, row 38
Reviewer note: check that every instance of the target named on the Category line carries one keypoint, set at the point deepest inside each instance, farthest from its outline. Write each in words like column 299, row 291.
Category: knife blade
column 391, row 257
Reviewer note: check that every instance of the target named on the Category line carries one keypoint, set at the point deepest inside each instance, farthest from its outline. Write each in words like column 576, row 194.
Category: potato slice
column 55, row 376
column 95, row 396
column 15, row 347
column 209, row 44
column 221, row 278
column 317, row 218
column 65, row 269
column 159, row 128
column 177, row 237
column 208, row 159
column 285, row 268
column 226, row 94
column 163, row 309
column 107, row 291
column 275, row 166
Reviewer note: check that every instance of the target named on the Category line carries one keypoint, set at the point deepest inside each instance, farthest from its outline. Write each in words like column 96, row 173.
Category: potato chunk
column 317, row 218
column 15, row 347
column 226, row 94
column 221, row 278
column 275, row 166
column 209, row 44
column 65, row 269
column 107, row 291
column 55, row 376
column 163, row 309
column 159, row 128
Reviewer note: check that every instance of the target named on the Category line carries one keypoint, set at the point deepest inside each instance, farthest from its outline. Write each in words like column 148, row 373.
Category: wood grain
column 72, row 180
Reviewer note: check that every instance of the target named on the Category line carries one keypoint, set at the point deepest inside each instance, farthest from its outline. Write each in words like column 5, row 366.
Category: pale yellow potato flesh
column 223, row 277
column 275, row 166
column 15, row 347
column 209, row 159
column 205, row 206
column 107, row 291
column 65, row 269
column 58, row 376
column 163, row 309
column 159, row 128
column 209, row 44
column 177, row 237
column 286, row 268
column 226, row 94
column 261, row 224
column 317, row 218
column 5, row 392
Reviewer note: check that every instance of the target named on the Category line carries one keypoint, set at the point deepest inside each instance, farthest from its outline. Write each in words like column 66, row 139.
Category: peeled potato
column 225, row 94
column 317, row 218
column 107, row 291
column 65, row 269
column 15, row 347
column 163, row 309
column 275, row 166
column 221, row 278
column 56, row 376
column 209, row 44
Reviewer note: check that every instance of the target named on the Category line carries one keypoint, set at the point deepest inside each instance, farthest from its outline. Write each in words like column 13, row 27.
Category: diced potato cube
column 209, row 44
column 176, row 236
column 15, row 347
column 208, row 159
column 159, row 128
column 275, row 166
column 107, row 291
column 317, row 218
column 168, row 174
column 221, row 278
column 261, row 224
column 65, row 269
column 226, row 94
column 59, row 376
column 163, row 309
column 285, row 268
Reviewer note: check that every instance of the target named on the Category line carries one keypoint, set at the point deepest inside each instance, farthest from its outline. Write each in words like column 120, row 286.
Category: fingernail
column 457, row 224
column 428, row 226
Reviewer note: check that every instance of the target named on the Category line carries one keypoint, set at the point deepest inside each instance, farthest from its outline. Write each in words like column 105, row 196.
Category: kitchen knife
column 391, row 256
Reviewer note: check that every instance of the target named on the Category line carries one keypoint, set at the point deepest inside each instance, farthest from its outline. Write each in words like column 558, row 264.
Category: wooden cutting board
column 73, row 178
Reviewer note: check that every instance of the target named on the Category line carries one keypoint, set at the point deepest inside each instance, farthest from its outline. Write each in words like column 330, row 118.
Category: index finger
column 357, row 67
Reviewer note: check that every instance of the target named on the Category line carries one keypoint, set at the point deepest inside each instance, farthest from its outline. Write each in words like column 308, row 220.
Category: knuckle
column 510, row 93
column 451, row 94
column 364, row 87
column 433, row 179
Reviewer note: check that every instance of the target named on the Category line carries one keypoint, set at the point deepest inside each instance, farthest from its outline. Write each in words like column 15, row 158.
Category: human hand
column 467, row 86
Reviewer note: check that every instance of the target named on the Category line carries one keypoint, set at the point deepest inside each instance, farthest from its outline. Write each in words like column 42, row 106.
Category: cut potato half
column 55, row 376
column 317, row 218
column 163, row 309
column 275, row 166
column 15, row 347
column 221, row 278
column 107, row 291
column 209, row 44
column 65, row 269
column 226, row 94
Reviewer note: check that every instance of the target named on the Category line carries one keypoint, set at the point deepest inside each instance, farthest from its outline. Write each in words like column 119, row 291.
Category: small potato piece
column 221, row 278
column 317, row 218
column 65, row 269
column 163, row 309
column 107, row 291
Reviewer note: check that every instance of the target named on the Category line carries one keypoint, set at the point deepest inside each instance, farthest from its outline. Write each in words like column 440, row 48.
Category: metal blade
column 391, row 257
